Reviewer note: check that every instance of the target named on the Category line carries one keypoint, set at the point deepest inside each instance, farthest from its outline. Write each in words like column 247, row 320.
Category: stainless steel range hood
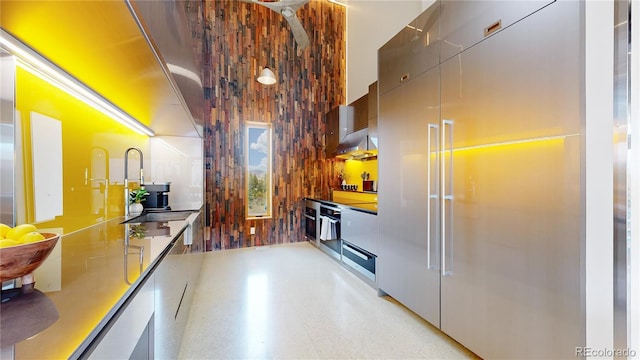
column 357, row 146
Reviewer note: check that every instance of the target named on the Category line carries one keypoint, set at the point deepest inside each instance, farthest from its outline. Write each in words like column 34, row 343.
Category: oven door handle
column 310, row 217
column 356, row 252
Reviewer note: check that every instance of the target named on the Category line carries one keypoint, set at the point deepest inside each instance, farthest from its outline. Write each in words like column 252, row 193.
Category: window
column 258, row 150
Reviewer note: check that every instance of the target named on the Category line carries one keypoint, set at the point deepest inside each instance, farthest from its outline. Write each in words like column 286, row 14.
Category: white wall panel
column 370, row 24
column 178, row 160
column 46, row 148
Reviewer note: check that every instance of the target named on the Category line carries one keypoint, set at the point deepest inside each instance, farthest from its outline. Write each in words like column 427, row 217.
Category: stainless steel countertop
column 85, row 280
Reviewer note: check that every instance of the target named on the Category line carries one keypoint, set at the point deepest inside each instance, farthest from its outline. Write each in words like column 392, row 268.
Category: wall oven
column 329, row 236
column 311, row 221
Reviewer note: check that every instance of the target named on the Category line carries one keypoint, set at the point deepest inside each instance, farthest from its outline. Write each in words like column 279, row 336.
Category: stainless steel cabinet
column 480, row 189
column 512, row 186
column 338, row 122
column 360, row 229
column 408, row 261
column 467, row 22
column 414, row 50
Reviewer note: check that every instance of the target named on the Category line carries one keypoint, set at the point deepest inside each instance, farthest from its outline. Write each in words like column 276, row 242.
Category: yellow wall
column 92, row 143
column 354, row 168
column 352, row 197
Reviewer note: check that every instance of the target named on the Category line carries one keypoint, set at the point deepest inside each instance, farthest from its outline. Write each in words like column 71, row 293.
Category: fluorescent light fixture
column 42, row 68
column 338, row 3
column 267, row 77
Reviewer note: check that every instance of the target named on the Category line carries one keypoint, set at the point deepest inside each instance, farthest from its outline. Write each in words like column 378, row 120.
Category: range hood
column 356, row 146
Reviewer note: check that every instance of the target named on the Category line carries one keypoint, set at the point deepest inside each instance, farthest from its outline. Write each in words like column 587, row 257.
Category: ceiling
column 101, row 44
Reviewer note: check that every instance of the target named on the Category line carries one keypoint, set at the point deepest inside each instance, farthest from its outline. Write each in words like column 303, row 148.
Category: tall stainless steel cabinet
column 409, row 110
column 480, row 179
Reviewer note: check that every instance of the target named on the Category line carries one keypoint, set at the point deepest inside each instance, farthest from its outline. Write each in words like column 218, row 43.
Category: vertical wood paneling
column 240, row 39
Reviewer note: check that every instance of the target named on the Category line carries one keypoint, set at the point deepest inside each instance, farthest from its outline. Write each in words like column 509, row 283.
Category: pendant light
column 267, row 77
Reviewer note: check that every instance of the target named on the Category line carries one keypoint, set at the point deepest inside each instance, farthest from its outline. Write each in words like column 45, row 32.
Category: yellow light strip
column 515, row 142
column 42, row 68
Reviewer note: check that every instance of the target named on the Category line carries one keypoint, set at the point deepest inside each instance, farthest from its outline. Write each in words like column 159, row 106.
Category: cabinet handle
column 446, row 197
column 492, row 28
column 356, row 252
column 431, row 196
column 404, row 77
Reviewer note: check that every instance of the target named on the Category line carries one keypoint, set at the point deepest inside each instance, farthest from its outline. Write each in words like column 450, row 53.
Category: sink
column 160, row 216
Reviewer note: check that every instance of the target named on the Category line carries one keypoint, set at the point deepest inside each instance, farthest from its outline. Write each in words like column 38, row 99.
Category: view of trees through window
column 259, row 170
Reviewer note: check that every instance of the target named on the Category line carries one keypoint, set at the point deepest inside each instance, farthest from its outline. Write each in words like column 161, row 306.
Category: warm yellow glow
column 354, row 168
column 110, row 55
column 91, row 141
column 351, row 197
column 40, row 67
column 523, row 142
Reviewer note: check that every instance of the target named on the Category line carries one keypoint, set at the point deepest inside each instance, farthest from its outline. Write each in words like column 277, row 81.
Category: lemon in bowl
column 23, row 249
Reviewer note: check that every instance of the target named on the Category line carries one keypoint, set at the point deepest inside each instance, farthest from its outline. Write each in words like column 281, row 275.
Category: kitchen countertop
column 86, row 279
column 368, row 207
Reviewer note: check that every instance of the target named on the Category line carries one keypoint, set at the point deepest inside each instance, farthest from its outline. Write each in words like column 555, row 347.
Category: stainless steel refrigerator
column 481, row 173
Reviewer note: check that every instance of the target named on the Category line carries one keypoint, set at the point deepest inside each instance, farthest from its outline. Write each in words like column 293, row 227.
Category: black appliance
column 359, row 259
column 158, row 197
column 330, row 240
column 310, row 221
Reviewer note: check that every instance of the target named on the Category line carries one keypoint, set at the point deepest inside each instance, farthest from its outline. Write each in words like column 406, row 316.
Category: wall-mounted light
column 47, row 71
column 267, row 77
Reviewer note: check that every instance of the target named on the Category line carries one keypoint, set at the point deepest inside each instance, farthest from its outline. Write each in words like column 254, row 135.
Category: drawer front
column 360, row 229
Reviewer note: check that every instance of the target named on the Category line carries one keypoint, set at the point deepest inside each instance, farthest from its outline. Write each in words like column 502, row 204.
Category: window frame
column 250, row 162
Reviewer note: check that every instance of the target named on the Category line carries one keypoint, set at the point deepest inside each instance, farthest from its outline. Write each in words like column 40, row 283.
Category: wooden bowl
column 23, row 259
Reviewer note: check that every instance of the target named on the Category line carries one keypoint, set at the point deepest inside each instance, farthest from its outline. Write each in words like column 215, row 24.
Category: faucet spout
column 126, row 176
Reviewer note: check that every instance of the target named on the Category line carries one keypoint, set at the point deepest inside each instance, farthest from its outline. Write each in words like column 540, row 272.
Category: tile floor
column 294, row 302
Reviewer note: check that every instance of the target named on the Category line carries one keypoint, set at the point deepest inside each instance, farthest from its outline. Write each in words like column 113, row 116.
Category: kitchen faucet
column 126, row 177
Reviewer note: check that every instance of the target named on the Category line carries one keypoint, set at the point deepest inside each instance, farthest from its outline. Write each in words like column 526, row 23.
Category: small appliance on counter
column 158, row 198
column 367, row 185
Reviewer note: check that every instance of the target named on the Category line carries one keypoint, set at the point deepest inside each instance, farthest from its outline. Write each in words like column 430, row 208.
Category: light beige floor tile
column 294, row 302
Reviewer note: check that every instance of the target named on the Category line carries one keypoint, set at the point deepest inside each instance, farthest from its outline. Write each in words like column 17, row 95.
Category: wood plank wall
column 240, row 39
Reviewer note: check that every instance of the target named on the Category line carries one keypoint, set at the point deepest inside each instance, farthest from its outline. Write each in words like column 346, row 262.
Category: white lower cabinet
column 152, row 323
column 128, row 331
column 172, row 282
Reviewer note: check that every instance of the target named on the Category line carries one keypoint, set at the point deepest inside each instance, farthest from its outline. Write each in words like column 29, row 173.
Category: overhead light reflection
column 257, row 315
column 179, row 70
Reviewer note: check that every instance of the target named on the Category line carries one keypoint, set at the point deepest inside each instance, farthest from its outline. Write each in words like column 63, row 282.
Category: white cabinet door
column 121, row 339
column 171, row 285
